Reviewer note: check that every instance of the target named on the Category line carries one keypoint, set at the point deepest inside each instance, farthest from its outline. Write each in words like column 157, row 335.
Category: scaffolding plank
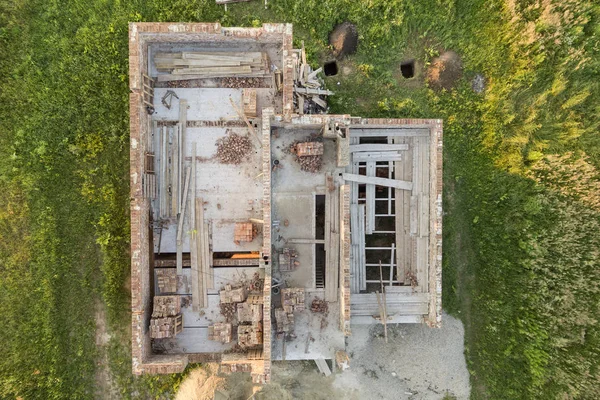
column 377, row 147
column 398, row 184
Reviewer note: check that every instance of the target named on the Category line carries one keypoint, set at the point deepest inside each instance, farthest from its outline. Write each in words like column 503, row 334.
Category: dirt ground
column 416, row 363
column 105, row 386
column 200, row 384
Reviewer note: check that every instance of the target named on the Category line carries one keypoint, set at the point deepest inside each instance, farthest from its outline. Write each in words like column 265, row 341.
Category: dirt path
column 106, row 389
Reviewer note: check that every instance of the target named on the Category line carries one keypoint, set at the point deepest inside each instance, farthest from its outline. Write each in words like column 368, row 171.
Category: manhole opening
column 330, row 68
column 407, row 69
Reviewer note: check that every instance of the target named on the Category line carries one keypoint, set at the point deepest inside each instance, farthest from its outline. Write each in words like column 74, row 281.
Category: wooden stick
column 181, row 219
column 243, row 116
column 384, row 311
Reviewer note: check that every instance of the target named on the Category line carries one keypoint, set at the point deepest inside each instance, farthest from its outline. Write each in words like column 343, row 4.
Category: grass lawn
column 521, row 191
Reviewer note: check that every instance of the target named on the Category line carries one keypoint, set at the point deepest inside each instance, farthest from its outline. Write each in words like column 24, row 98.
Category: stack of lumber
column 199, row 65
column 292, row 299
column 288, row 259
column 220, row 332
column 250, row 335
column 247, row 312
column 166, row 279
column 231, row 295
column 284, row 321
column 167, row 327
column 166, row 306
column 308, row 95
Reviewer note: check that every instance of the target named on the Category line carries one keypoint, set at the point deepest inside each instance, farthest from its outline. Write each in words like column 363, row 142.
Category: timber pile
column 231, row 295
column 220, row 332
column 309, row 98
column 233, row 148
column 250, row 335
column 247, row 312
column 167, row 280
column 288, row 260
column 199, row 65
column 292, row 299
column 167, row 327
column 166, row 306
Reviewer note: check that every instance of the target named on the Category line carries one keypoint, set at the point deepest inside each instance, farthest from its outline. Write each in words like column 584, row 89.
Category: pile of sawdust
column 200, row 384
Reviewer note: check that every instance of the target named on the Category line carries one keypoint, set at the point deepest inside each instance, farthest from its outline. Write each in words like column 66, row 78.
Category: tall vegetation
column 520, row 176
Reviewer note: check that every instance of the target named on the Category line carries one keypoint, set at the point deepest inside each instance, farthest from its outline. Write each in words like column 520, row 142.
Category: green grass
column 520, row 238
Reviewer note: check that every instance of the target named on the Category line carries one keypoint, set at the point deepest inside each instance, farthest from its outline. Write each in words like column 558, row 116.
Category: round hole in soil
column 330, row 68
column 407, row 69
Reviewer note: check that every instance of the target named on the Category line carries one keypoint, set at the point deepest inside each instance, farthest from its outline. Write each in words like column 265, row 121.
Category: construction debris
column 309, row 149
column 250, row 335
column 198, row 65
column 167, row 99
column 319, row 306
column 220, row 332
column 233, row 148
column 231, row 295
column 302, row 149
column 308, row 95
column 249, row 102
column 228, row 311
column 288, row 260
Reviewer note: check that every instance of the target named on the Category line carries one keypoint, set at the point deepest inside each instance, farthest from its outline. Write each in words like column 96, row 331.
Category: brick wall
column 267, row 114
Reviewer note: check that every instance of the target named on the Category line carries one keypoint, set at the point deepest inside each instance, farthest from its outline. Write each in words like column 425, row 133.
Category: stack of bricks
column 247, row 312
column 230, row 295
column 166, row 306
column 255, row 298
column 166, row 327
column 243, row 232
column 220, row 332
column 288, row 259
column 250, row 335
column 292, row 299
column 284, row 321
column 167, row 280
column 309, row 149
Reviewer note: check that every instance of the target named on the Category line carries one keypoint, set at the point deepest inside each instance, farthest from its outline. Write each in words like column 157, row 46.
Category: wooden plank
column 390, row 131
column 323, row 367
column 370, row 201
column 362, row 252
column 210, row 281
column 202, row 270
column 305, row 241
column 193, row 241
column 175, row 171
column 395, row 183
column 304, row 90
column 380, row 156
column 183, row 105
column 184, row 77
column 377, row 147
column 392, row 260
column 354, row 255
column 180, row 222
column 414, row 227
column 243, row 69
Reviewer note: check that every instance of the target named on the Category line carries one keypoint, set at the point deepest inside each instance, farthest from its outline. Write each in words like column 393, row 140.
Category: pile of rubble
column 309, row 154
column 288, row 260
column 238, row 83
column 233, row 148
column 319, row 306
column 220, row 332
column 292, row 300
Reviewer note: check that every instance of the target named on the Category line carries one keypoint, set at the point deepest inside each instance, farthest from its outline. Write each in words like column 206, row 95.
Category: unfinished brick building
column 247, row 207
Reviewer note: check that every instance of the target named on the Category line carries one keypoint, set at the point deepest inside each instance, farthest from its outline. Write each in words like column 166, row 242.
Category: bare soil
column 444, row 71
column 344, row 39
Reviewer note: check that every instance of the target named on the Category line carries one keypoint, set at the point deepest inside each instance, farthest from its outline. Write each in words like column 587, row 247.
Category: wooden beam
column 389, row 131
column 193, row 240
column 182, row 133
column 376, row 156
column 180, row 222
column 377, row 147
column 370, row 201
column 398, row 184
